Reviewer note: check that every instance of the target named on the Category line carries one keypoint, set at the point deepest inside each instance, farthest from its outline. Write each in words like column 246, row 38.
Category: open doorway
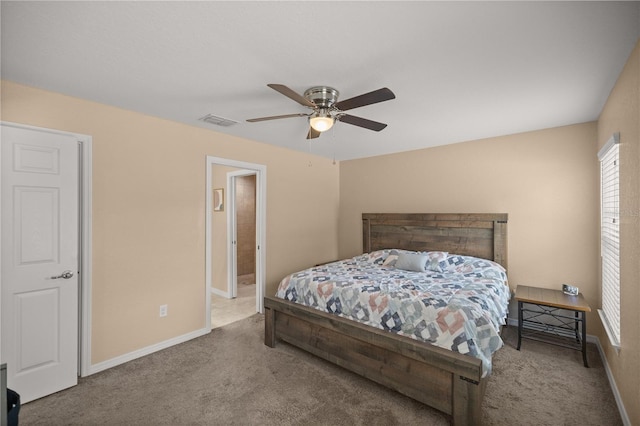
column 234, row 297
column 235, row 231
column 242, row 209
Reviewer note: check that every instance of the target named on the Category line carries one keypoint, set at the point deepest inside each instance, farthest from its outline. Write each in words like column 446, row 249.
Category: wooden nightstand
column 547, row 304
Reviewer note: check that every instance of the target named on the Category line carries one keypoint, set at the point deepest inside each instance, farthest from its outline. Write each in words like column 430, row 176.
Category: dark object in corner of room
column 13, row 407
column 570, row 290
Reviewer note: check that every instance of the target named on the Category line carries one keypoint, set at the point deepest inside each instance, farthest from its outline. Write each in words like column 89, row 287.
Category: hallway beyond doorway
column 225, row 311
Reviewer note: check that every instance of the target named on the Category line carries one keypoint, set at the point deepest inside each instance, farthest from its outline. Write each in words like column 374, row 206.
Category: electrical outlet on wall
column 163, row 310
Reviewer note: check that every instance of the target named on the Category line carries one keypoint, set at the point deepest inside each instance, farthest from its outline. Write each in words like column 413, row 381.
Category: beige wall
column 622, row 114
column 545, row 180
column 149, row 213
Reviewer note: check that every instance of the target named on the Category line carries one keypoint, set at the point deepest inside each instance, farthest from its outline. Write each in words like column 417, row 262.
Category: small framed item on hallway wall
column 218, row 200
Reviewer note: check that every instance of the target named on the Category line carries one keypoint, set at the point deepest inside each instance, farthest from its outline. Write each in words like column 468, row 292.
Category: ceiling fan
column 327, row 109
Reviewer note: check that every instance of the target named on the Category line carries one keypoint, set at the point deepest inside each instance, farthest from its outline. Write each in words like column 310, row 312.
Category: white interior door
column 39, row 260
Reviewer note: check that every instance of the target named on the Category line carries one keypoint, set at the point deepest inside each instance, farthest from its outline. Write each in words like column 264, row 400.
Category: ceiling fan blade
column 292, row 95
column 362, row 122
column 276, row 117
column 313, row 133
column 374, row 97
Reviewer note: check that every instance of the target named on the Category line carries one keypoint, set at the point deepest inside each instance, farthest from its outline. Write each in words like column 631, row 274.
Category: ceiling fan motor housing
column 322, row 96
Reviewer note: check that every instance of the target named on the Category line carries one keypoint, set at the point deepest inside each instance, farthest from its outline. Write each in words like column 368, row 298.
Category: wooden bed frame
column 445, row 380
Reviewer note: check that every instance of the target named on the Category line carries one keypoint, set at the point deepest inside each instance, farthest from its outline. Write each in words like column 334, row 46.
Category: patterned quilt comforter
column 457, row 302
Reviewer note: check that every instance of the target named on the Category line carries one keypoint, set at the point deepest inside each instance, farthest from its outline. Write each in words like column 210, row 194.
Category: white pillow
column 412, row 262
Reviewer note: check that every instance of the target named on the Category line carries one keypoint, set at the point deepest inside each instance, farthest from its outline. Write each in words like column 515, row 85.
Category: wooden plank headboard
column 472, row 234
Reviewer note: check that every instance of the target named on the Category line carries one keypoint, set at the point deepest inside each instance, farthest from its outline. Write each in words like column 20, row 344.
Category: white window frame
column 609, row 157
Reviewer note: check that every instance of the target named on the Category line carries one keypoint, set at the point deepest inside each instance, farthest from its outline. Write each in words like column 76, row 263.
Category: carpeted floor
column 230, row 377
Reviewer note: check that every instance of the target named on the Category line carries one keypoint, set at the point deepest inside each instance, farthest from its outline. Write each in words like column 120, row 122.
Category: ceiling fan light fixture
column 321, row 121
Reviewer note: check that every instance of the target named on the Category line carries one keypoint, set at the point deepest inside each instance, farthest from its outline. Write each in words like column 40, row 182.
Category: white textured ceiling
column 460, row 70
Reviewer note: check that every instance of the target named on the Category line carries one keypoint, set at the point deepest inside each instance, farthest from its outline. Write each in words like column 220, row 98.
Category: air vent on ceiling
column 218, row 121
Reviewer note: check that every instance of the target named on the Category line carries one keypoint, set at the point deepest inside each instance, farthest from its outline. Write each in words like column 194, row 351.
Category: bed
column 449, row 381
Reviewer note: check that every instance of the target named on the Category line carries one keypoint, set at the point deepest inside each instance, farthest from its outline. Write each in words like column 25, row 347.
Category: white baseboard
column 105, row 365
column 614, row 388
column 220, row 293
column 612, row 382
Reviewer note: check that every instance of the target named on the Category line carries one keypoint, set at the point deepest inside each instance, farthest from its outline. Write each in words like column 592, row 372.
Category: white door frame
column 232, row 231
column 261, row 227
column 85, row 143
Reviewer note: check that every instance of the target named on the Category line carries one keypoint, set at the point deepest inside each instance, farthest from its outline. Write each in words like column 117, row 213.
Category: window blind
column 610, row 237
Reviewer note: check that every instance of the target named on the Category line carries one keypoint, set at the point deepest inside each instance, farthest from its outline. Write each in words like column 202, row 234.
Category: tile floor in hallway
column 225, row 311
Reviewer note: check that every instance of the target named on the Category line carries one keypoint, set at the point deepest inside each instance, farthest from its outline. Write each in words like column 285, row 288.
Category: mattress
column 454, row 302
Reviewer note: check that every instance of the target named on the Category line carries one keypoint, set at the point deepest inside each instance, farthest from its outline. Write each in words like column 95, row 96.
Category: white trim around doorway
column 261, row 222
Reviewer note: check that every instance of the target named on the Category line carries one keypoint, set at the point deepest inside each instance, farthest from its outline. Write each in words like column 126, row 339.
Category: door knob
column 66, row 275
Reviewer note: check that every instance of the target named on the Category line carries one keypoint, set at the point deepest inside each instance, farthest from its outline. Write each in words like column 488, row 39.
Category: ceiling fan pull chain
column 333, row 141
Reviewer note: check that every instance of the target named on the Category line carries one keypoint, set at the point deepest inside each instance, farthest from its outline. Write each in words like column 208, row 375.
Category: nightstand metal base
column 542, row 317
